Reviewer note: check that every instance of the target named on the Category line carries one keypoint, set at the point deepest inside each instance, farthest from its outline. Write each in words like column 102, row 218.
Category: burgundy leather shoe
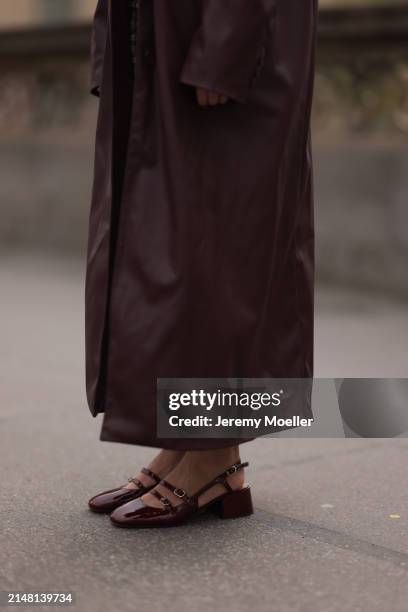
column 109, row 500
column 233, row 503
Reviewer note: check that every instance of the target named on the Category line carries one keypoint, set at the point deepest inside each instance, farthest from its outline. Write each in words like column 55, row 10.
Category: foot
column 196, row 469
column 163, row 463
column 210, row 480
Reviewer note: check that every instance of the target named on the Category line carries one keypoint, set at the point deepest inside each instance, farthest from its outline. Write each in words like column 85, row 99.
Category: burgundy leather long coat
column 200, row 255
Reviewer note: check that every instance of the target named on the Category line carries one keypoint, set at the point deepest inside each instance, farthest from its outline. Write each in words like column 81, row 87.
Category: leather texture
column 200, row 255
column 107, row 501
column 230, row 504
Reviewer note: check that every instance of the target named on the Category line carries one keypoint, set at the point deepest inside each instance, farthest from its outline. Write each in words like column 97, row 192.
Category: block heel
column 234, row 504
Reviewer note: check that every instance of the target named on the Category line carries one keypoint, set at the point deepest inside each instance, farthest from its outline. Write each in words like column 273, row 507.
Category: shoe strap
column 137, row 482
column 140, row 484
column 220, row 479
column 166, row 503
column 193, row 499
column 152, row 475
column 180, row 493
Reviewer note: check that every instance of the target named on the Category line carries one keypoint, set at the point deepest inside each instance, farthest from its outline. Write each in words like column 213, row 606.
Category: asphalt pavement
column 330, row 530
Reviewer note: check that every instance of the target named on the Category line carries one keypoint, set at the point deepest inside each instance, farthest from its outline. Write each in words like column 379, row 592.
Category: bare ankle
column 215, row 459
column 165, row 461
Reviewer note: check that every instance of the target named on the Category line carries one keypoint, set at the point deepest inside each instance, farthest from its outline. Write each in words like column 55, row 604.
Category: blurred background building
column 29, row 13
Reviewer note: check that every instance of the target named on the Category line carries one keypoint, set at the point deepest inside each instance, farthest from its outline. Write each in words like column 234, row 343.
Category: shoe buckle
column 231, row 470
column 179, row 493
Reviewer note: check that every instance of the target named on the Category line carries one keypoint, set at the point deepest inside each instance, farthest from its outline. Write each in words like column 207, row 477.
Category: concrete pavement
column 322, row 537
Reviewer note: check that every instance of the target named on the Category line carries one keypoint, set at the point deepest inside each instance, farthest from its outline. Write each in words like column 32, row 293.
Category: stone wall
column 360, row 124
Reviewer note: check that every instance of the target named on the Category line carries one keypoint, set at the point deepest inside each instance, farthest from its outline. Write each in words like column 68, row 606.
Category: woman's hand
column 206, row 97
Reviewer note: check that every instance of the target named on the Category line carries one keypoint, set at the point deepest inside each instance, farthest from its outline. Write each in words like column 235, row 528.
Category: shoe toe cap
column 101, row 501
column 135, row 513
column 108, row 500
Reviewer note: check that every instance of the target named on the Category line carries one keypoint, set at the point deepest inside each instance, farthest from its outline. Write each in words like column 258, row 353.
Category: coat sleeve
column 227, row 50
column 98, row 44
